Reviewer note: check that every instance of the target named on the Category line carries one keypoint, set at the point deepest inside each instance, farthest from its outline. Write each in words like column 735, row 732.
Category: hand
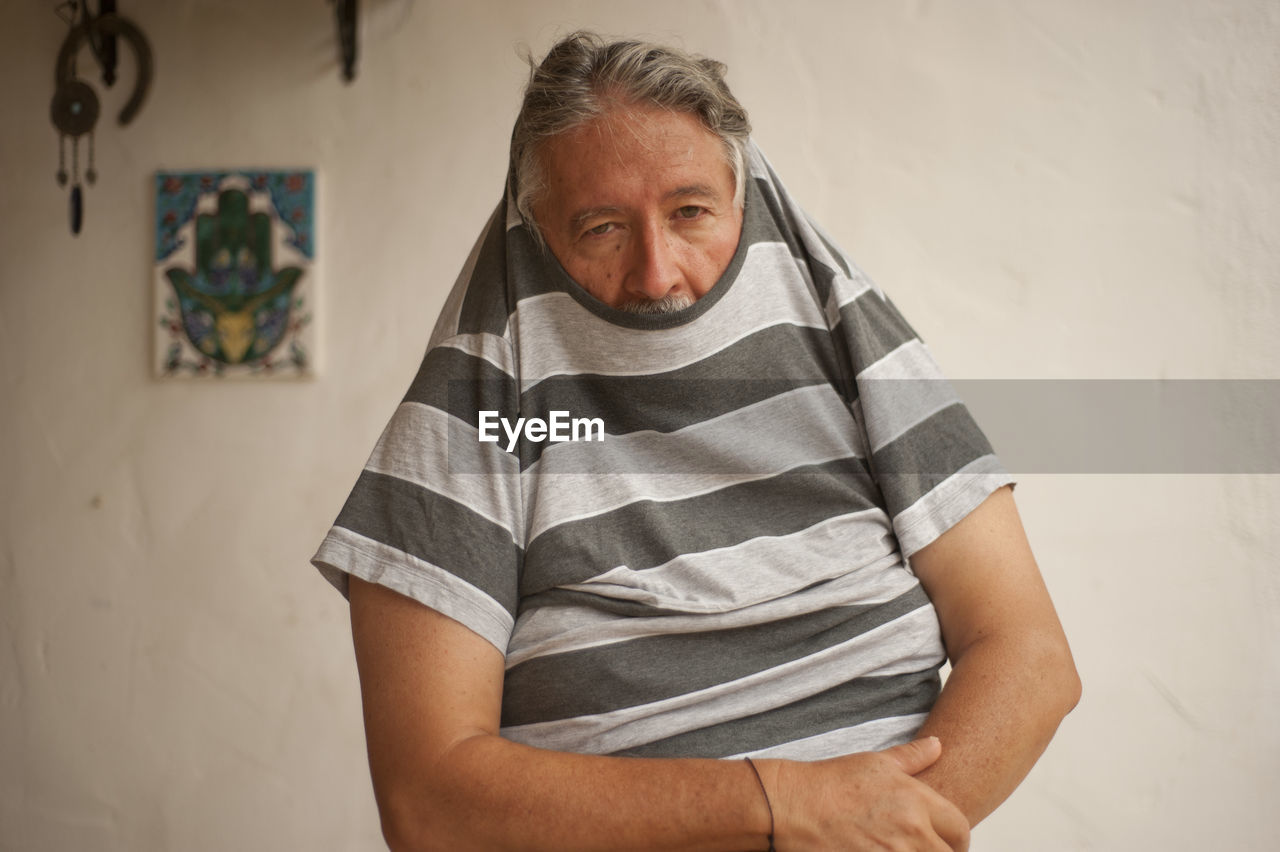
column 865, row 801
column 235, row 305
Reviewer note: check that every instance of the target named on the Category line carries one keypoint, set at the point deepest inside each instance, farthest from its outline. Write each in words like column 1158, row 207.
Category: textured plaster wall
column 1047, row 189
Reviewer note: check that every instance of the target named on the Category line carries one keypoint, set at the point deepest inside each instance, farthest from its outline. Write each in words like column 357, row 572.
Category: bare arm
column 445, row 779
column 1012, row 677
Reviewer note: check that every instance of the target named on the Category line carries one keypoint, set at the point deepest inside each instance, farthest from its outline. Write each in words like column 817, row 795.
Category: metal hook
column 102, row 44
column 347, row 11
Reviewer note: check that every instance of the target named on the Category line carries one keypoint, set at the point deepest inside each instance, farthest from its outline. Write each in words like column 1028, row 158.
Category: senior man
column 783, row 527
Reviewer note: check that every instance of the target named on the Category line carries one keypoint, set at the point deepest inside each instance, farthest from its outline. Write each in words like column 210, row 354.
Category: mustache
column 665, row 305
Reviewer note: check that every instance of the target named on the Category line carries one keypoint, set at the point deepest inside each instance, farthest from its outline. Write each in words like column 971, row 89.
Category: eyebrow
column 693, row 190
column 580, row 218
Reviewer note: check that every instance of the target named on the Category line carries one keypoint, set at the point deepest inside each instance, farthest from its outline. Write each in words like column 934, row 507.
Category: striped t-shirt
column 717, row 565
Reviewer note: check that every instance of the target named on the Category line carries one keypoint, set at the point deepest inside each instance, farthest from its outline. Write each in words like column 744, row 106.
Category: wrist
column 755, row 773
column 771, row 772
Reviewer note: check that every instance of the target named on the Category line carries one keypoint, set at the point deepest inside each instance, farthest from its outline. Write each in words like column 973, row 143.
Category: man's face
column 638, row 207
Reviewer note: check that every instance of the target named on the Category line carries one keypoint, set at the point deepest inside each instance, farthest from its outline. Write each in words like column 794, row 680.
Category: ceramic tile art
column 234, row 274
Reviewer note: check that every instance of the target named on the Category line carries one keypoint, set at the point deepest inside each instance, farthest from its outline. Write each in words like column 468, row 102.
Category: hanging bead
column 62, row 160
column 77, row 209
column 91, row 173
column 77, row 200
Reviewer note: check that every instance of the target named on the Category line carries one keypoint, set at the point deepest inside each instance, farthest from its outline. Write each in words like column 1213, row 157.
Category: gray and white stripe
column 725, row 573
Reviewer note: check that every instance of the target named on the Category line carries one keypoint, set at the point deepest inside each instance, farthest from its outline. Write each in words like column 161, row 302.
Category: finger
column 949, row 823
column 915, row 756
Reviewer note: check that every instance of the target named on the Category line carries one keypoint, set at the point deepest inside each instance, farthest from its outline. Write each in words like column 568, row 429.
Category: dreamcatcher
column 75, row 108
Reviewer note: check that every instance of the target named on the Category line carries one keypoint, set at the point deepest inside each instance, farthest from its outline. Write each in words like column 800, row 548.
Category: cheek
column 599, row 276
column 713, row 257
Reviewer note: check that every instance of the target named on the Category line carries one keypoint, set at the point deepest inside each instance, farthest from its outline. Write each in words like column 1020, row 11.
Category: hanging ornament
column 74, row 110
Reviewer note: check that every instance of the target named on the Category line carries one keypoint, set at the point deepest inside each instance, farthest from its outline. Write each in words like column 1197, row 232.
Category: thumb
column 915, row 756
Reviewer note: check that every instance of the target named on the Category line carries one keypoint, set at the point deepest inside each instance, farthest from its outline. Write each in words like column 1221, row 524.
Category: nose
column 655, row 270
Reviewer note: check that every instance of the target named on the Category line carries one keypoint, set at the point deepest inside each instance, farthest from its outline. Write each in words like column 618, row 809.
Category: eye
column 601, row 229
column 689, row 211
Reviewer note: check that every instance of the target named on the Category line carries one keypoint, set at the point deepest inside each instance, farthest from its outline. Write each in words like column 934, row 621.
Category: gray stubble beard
column 665, row 305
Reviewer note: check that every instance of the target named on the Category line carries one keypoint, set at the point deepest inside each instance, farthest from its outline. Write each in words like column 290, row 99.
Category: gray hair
column 583, row 76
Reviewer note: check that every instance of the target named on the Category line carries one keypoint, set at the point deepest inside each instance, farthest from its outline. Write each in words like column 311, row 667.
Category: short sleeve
column 932, row 462
column 436, row 513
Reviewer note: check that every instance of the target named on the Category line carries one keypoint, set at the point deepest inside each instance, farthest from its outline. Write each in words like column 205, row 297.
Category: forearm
column 445, row 779
column 1012, row 678
column 996, row 714
column 487, row 793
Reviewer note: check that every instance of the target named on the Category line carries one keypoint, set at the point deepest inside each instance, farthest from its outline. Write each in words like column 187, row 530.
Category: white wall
column 1048, row 190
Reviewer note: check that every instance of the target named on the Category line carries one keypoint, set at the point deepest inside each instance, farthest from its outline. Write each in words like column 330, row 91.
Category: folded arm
column 445, row 779
column 1012, row 677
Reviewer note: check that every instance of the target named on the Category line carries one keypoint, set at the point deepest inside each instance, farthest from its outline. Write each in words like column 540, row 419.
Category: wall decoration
column 234, row 274
column 74, row 110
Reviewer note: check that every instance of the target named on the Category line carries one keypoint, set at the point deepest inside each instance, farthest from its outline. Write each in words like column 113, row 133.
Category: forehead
column 631, row 155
